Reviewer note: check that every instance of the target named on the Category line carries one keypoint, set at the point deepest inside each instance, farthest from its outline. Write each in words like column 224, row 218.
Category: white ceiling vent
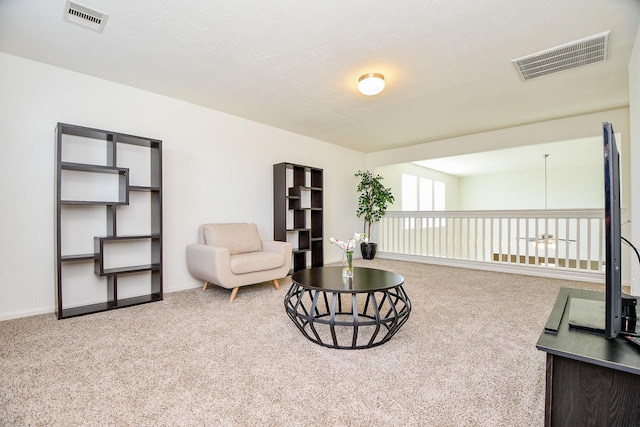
column 570, row 55
column 82, row 15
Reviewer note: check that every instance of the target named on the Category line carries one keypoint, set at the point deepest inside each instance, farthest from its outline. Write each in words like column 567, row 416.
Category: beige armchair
column 232, row 255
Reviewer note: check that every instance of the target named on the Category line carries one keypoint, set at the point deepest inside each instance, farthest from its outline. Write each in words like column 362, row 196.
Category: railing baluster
column 454, row 228
column 517, row 242
column 419, row 236
column 468, row 227
column 439, row 251
column 509, row 252
column 475, row 239
column 567, row 245
column 556, row 255
column 399, row 236
column 526, row 241
column 578, row 238
column 484, row 240
column 589, row 225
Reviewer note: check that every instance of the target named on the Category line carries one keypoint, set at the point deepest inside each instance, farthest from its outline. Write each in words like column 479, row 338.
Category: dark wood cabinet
column 587, row 394
column 590, row 380
column 108, row 220
column 297, row 212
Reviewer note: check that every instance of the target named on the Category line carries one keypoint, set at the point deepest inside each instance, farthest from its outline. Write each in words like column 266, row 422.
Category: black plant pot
column 368, row 250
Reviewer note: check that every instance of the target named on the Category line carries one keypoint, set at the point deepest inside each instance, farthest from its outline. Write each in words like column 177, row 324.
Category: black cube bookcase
column 94, row 185
column 298, row 212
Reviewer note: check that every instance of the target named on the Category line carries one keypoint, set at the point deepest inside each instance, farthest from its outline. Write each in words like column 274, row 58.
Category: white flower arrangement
column 349, row 245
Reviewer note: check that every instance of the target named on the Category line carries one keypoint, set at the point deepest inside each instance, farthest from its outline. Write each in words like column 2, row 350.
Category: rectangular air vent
column 570, row 55
column 82, row 15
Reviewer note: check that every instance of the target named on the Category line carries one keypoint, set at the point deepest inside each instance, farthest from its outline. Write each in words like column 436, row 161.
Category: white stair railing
column 553, row 243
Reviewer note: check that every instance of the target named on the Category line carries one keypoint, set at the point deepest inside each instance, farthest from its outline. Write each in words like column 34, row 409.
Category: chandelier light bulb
column 371, row 84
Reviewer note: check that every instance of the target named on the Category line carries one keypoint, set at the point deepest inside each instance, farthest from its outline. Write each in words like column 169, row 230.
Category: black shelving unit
column 104, row 149
column 297, row 212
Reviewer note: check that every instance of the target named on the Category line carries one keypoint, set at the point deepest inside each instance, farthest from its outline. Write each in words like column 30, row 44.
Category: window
column 422, row 194
column 425, row 196
column 438, row 196
column 409, row 192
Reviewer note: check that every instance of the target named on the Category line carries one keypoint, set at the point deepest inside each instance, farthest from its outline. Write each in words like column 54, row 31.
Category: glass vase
column 347, row 264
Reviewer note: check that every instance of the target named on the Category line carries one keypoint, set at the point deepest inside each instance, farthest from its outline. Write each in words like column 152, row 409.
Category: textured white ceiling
column 295, row 64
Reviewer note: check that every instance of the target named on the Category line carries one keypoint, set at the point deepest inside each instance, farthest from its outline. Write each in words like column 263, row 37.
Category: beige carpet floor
column 466, row 357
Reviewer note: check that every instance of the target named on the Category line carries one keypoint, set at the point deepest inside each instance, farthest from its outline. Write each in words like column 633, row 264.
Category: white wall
column 571, row 188
column 216, row 168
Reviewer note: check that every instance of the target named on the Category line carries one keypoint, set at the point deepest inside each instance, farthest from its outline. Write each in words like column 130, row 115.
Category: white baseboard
column 52, row 309
column 27, row 313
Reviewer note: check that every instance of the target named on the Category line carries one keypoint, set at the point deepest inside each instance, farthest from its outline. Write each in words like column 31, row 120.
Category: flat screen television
column 617, row 313
column 613, row 236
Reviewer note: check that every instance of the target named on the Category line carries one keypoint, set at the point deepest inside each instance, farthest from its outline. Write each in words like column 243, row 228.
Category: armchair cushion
column 238, row 238
column 255, row 261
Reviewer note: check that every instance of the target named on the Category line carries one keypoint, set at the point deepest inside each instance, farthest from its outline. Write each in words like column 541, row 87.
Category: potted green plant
column 372, row 204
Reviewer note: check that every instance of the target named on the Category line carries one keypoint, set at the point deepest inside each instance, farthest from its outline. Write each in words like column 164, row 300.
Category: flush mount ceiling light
column 371, row 83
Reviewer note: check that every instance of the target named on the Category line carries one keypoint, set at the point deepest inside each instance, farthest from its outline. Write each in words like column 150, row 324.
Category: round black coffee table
column 347, row 313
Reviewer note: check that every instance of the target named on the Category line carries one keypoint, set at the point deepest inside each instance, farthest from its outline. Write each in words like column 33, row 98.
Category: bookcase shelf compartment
column 102, row 243
column 78, row 182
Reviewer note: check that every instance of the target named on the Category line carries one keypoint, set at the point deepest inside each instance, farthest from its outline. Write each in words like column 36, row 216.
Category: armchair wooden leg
column 206, row 285
column 234, row 292
column 276, row 284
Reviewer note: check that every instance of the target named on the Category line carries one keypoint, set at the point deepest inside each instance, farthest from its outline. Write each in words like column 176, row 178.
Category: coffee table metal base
column 347, row 320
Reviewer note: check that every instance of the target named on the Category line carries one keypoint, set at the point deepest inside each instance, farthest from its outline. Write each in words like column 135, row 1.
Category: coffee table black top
column 330, row 279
